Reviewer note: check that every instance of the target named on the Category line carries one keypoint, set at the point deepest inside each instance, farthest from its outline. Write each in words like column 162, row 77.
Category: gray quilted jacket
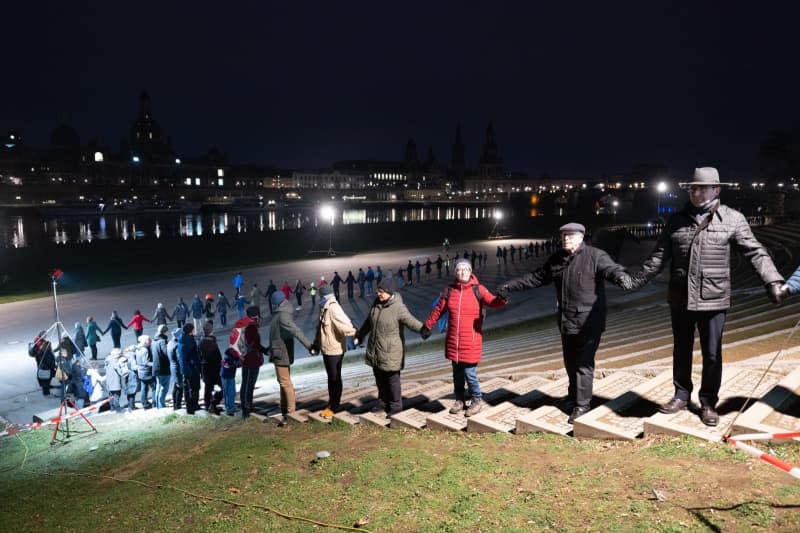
column 700, row 278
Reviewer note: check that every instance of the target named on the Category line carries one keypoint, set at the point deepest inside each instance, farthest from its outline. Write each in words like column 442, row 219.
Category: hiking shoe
column 326, row 413
column 673, row 406
column 458, row 406
column 709, row 416
column 578, row 411
column 474, row 407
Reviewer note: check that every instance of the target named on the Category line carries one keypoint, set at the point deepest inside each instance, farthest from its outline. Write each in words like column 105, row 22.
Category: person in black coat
column 577, row 272
column 115, row 326
column 41, row 350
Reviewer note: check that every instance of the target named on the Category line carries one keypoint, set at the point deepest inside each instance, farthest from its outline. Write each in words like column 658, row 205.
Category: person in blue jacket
column 189, row 360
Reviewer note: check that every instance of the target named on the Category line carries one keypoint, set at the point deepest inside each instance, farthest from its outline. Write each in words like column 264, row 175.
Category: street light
column 661, row 188
column 615, row 204
column 497, row 215
column 327, row 212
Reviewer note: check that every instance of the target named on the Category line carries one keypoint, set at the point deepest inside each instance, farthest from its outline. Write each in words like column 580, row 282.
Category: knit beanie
column 325, row 290
column 463, row 262
column 386, row 286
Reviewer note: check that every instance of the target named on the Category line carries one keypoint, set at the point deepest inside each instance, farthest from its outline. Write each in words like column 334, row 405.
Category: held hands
column 776, row 292
column 313, row 351
column 502, row 292
column 424, row 332
column 625, row 282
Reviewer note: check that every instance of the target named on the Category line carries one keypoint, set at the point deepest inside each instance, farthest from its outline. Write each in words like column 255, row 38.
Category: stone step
column 503, row 416
column 350, row 397
column 737, row 385
column 551, row 419
column 623, row 417
column 778, row 411
column 410, row 393
column 416, row 417
column 377, row 419
column 492, row 391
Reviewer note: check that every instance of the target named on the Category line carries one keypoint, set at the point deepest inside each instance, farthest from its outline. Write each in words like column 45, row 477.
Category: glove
column 502, row 292
column 356, row 341
column 424, row 332
column 625, row 282
column 775, row 293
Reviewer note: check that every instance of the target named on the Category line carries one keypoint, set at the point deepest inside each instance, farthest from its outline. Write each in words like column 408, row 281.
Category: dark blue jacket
column 188, row 356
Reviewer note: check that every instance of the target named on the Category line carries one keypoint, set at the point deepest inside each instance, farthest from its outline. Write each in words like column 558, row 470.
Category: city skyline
column 595, row 90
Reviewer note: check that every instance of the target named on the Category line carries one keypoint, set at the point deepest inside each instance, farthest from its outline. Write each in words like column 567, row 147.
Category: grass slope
column 394, row 480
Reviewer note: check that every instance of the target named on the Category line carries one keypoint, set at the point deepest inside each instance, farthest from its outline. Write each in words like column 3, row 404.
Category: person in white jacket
column 334, row 326
column 98, row 383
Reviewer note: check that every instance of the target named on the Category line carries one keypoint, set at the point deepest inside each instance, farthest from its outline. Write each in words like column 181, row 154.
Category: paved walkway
column 20, row 396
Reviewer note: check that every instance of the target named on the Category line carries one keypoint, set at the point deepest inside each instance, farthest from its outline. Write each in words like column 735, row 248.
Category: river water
column 19, row 231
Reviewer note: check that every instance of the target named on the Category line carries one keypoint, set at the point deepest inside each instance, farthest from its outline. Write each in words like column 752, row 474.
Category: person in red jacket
column 252, row 360
column 137, row 322
column 463, row 300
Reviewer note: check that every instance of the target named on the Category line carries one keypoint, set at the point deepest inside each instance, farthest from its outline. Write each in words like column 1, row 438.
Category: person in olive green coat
column 282, row 333
column 386, row 346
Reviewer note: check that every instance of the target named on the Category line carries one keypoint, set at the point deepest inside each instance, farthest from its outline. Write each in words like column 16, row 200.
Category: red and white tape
column 736, row 442
column 36, row 425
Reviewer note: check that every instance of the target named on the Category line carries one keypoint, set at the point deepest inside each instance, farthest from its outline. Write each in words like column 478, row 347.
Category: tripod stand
column 62, row 428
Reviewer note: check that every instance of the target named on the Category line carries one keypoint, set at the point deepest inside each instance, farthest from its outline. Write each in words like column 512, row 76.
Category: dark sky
column 576, row 89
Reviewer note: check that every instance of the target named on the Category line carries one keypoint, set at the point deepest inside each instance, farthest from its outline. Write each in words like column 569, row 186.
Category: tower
column 491, row 166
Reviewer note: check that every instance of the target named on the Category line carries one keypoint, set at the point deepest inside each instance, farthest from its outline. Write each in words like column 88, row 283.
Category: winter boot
column 458, row 406
column 474, row 407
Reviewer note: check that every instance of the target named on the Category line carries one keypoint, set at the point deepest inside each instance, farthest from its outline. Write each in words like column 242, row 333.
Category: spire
column 457, row 161
column 411, row 151
column 491, row 165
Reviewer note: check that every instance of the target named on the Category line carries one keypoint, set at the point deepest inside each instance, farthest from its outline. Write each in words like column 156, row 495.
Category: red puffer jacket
column 464, row 338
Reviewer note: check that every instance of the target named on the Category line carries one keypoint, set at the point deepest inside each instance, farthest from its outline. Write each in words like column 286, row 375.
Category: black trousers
column 709, row 325
column 191, row 390
column 389, row 391
column 579, row 351
column 333, row 367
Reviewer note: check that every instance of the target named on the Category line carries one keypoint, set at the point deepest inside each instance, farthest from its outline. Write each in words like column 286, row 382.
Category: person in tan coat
column 333, row 328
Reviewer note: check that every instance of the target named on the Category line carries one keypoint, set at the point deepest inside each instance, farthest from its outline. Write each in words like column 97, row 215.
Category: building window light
column 197, row 181
column 220, row 173
column 220, row 182
column 98, row 157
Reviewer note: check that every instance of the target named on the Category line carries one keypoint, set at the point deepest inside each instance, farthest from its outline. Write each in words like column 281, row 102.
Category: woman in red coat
column 137, row 322
column 463, row 300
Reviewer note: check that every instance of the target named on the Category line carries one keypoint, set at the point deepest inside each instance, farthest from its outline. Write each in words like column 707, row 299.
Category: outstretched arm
column 614, row 272
column 660, row 256
column 533, row 280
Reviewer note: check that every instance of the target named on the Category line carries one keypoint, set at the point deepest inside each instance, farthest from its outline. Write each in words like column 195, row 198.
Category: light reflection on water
column 22, row 231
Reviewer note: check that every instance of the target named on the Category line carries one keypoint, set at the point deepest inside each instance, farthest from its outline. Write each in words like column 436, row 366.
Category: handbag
column 43, row 373
column 61, row 375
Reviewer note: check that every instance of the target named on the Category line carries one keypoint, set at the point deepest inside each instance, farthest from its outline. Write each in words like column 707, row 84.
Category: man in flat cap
column 696, row 242
column 577, row 272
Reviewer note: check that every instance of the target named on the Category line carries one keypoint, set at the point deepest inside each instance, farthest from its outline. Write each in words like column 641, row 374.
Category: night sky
column 577, row 89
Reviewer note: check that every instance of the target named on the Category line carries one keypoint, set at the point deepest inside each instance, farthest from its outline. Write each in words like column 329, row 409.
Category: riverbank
column 25, row 271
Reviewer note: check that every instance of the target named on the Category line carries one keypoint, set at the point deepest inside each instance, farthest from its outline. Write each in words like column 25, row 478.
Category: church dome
column 64, row 136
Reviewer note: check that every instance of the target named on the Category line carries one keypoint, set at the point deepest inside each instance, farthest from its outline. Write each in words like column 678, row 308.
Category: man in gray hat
column 696, row 242
column 577, row 272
